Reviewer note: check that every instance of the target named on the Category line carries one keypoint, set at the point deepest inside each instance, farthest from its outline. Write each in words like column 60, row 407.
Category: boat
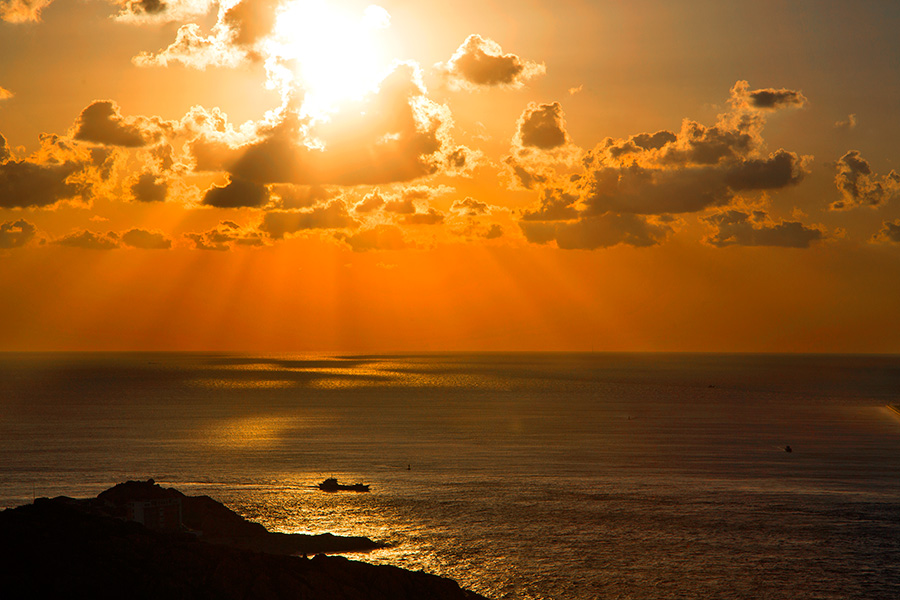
column 331, row 485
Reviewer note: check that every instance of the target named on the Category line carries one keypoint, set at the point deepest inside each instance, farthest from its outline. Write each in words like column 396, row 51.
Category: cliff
column 69, row 548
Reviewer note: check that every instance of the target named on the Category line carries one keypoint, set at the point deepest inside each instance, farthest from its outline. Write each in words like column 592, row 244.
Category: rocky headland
column 140, row 540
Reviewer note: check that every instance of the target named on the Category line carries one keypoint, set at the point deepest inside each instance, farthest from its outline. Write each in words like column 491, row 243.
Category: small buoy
column 787, row 449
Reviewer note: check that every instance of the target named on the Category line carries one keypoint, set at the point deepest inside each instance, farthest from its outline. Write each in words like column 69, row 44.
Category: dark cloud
column 481, row 62
column 370, row 202
column 334, row 215
column 590, row 233
column 149, row 188
column 890, row 232
column 740, row 228
column 380, row 237
column 88, row 240
column 772, row 99
column 300, row 196
column 225, row 236
column 470, row 207
column 156, row 11
column 397, row 134
column 30, row 184
column 251, row 20
column 779, row 170
column 237, row 193
column 542, row 126
column 5, row 153
column 765, row 99
column 147, row 240
column 401, row 206
column 524, row 175
column 494, row 231
column 102, row 123
column 654, row 141
column 556, row 205
column 859, row 185
column 21, row 11
column 428, row 217
column 15, row 234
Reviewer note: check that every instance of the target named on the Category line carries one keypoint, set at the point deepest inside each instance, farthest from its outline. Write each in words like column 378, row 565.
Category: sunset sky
column 303, row 175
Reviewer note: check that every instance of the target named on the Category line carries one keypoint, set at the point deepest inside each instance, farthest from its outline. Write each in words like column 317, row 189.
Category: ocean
column 527, row 476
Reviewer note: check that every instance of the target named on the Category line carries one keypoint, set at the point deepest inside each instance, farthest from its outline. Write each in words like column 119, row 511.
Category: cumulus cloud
column 592, row 232
column 429, row 216
column 370, row 202
column 194, row 50
column 57, row 172
column 146, row 240
column 288, row 196
column 470, row 207
column 848, row 123
column 756, row 228
column 88, row 240
column 236, row 194
column 396, row 135
column 22, row 11
column 555, row 205
column 480, row 62
column 890, row 232
column 542, row 126
column 765, row 99
column 15, row 234
column 225, row 236
column 334, row 215
column 102, row 123
column 156, row 11
column 147, row 187
column 859, row 185
column 5, row 153
column 380, row 237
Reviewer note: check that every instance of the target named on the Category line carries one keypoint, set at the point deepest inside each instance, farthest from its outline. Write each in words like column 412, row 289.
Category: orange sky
column 495, row 175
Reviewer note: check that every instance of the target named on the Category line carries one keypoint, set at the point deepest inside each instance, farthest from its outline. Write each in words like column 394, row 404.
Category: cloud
column 88, row 240
column 430, row 216
column 194, row 50
column 334, row 215
column 765, row 99
column 149, row 188
column 161, row 11
column 370, row 202
column 542, row 126
column 22, row 11
column 5, row 94
column 395, row 135
column 380, row 237
column 5, row 153
column 15, row 234
column 102, row 123
column 287, row 196
column 756, row 228
column 480, row 62
column 226, row 236
column 33, row 184
column 859, row 185
column 556, row 205
column 890, row 232
column 849, row 123
column 590, row 233
column 147, row 240
column 236, row 194
column 470, row 207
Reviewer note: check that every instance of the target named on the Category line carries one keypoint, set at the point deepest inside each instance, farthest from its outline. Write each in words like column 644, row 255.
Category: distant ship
column 331, row 485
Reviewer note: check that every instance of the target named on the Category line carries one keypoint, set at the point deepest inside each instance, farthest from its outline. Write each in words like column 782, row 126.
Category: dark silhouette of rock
column 65, row 548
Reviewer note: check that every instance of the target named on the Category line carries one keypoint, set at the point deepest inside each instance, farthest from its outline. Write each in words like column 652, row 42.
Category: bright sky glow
column 337, row 55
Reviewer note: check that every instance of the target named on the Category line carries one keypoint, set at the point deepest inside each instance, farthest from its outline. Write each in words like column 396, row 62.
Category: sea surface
column 532, row 476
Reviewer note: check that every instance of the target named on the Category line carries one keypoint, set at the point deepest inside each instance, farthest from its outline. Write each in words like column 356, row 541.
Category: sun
column 335, row 55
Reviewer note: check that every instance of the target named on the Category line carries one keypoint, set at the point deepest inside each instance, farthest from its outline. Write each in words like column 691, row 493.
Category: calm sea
column 533, row 476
